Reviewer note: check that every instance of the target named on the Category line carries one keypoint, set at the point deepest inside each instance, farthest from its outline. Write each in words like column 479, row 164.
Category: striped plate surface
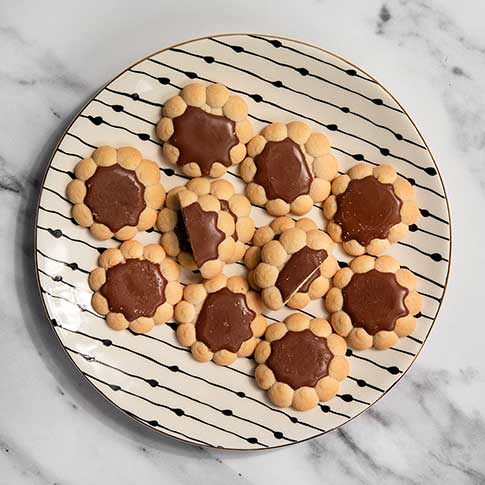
column 150, row 377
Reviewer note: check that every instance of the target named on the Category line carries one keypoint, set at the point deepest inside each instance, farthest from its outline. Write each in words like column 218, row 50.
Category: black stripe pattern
column 151, row 377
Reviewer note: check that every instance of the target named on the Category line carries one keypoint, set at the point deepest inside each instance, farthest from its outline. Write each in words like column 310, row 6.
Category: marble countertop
column 54, row 429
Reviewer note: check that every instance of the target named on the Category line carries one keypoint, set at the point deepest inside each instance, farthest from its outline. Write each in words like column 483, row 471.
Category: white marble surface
column 55, row 55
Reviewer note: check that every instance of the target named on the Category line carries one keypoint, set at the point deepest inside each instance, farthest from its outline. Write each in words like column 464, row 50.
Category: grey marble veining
column 55, row 429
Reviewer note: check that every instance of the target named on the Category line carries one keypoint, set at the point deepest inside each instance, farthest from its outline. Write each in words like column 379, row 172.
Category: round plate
column 151, row 377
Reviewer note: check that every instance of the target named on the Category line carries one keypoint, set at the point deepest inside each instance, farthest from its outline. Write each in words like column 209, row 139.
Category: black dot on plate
column 348, row 352
column 163, row 80
column 57, row 233
column 342, row 264
column 332, row 127
column 227, row 412
column 278, row 435
column 174, row 368
column 411, row 181
column 384, row 151
column 293, row 419
column 430, row 170
column 347, row 397
column 54, row 322
column 135, row 96
column 152, row 382
column 237, row 48
column 191, row 75
column 325, row 408
column 351, row 72
column 378, row 101
column 73, row 266
column 303, row 71
column 398, row 136
column 276, row 43
column 257, row 97
column 241, row 394
column 436, row 257
column 153, row 422
column 361, row 383
column 143, row 136
column 252, row 440
column 168, row 171
column 107, row 342
column 345, row 109
column 95, row 120
column 413, row 227
column 117, row 108
column 57, row 278
column 358, row 157
column 114, row 387
column 424, row 212
column 209, row 59
column 393, row 370
column 277, row 84
column 178, row 411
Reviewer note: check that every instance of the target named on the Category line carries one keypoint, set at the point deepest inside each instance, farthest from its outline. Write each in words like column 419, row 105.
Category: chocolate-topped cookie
column 291, row 262
column 116, row 193
column 369, row 209
column 288, row 168
column 205, row 130
column 301, row 362
column 373, row 302
column 135, row 286
column 220, row 320
column 175, row 238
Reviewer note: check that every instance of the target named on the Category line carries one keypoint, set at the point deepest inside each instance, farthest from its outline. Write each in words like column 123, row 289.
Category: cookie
column 116, row 193
column 175, row 240
column 220, row 320
column 372, row 302
column 370, row 209
column 301, row 362
column 291, row 262
column 205, row 130
column 288, row 168
column 135, row 286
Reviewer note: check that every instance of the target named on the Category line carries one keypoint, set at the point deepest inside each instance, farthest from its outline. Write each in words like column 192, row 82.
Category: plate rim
column 36, row 232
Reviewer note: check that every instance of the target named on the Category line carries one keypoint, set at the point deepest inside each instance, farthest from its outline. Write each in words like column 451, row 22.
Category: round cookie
column 209, row 228
column 205, row 130
column 135, row 286
column 174, row 238
column 220, row 320
column 116, row 193
column 291, row 262
column 370, row 208
column 301, row 362
column 373, row 302
column 288, row 168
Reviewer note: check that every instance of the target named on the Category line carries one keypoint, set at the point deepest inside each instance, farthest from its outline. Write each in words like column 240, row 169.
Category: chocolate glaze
column 224, row 321
column 225, row 207
column 367, row 210
column 374, row 301
column 135, row 288
column 282, row 170
column 306, row 286
column 299, row 359
column 298, row 268
column 204, row 235
column 181, row 233
column 115, row 197
column 203, row 138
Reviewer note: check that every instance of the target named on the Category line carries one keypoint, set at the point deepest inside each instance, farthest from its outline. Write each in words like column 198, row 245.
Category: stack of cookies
column 205, row 225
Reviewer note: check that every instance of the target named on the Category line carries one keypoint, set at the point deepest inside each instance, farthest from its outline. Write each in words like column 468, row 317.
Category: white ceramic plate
column 151, row 377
